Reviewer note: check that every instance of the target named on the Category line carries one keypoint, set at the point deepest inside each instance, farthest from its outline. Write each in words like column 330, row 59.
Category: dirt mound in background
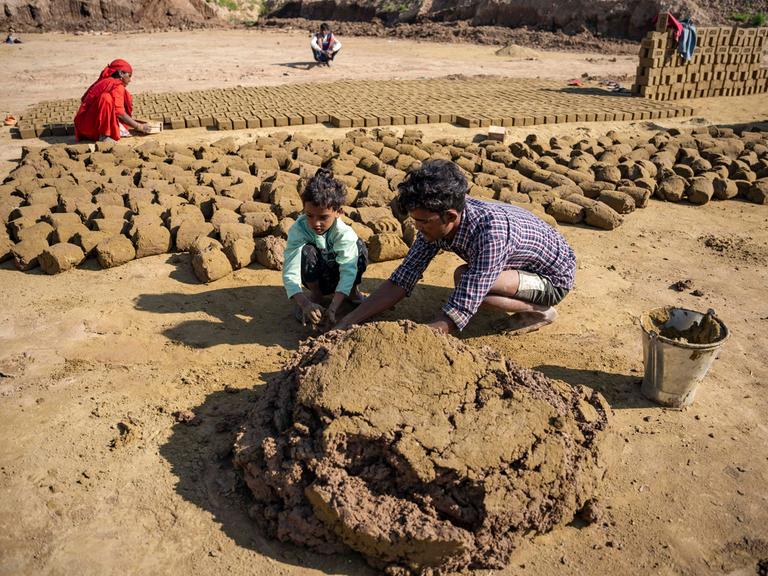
column 42, row 15
column 416, row 450
column 481, row 21
column 610, row 18
column 463, row 31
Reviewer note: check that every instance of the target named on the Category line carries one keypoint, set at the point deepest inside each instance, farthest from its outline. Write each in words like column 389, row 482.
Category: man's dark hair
column 324, row 27
column 324, row 190
column 437, row 186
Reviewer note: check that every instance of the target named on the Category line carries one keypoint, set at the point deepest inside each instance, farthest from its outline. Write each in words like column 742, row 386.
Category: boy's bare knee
column 458, row 273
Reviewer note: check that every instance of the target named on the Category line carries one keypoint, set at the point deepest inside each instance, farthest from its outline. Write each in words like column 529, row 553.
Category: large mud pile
column 422, row 453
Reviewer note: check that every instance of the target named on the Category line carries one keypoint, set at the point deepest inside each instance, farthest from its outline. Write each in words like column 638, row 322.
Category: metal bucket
column 674, row 366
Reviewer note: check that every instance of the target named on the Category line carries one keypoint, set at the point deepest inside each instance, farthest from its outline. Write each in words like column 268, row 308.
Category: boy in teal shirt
column 323, row 253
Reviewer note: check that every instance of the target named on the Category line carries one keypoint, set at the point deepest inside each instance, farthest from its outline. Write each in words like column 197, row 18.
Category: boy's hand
column 330, row 317
column 313, row 314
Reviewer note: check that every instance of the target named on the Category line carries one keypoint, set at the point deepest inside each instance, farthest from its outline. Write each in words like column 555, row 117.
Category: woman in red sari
column 106, row 107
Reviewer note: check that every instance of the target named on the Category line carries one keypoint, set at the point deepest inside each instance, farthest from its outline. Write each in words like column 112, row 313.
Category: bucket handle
column 653, row 337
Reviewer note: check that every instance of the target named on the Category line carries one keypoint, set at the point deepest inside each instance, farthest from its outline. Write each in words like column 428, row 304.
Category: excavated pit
column 422, row 453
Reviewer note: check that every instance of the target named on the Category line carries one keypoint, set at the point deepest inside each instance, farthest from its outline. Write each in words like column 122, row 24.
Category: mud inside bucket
column 679, row 346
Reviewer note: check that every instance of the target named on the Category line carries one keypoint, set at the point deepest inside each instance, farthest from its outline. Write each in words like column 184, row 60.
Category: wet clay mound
column 706, row 330
column 422, row 453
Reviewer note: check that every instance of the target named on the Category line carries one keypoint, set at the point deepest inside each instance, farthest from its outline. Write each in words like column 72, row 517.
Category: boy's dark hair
column 437, row 186
column 324, row 27
column 324, row 190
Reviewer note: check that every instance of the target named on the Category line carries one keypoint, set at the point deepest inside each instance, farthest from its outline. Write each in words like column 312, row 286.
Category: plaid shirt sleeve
column 416, row 261
column 487, row 257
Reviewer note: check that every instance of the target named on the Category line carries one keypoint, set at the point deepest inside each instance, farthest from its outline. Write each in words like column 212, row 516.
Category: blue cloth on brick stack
column 687, row 43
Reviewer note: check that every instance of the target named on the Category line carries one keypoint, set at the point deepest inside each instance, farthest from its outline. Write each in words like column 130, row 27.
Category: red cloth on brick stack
column 101, row 104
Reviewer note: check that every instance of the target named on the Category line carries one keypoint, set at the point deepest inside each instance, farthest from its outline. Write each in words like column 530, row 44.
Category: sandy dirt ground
column 98, row 478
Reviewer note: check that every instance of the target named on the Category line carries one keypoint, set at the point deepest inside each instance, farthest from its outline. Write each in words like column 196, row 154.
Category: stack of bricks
column 726, row 62
column 468, row 102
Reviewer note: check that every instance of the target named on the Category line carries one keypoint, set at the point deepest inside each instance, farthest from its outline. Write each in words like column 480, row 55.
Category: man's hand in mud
column 312, row 314
column 330, row 317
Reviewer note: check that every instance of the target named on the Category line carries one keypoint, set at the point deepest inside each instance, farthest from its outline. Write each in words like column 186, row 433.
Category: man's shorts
column 538, row 290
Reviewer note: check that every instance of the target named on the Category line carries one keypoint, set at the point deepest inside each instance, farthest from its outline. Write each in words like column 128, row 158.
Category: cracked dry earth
column 422, row 453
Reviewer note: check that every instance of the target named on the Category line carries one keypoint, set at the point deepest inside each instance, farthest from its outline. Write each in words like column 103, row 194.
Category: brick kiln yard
column 98, row 476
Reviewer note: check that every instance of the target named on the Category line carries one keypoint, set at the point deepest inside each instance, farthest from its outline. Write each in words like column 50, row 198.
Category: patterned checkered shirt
column 491, row 238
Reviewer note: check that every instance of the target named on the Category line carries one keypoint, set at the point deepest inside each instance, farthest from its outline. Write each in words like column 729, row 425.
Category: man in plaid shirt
column 516, row 262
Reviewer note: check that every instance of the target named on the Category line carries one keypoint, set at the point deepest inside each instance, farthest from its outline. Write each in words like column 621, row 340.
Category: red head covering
column 114, row 66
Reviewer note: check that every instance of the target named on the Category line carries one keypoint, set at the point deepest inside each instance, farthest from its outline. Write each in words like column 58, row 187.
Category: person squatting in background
column 325, row 46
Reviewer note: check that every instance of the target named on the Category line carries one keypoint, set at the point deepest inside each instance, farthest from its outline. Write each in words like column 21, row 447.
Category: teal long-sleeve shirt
column 339, row 244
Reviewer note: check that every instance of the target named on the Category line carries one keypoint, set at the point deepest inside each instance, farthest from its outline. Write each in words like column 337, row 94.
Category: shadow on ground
column 299, row 65
column 263, row 315
column 201, row 458
column 622, row 391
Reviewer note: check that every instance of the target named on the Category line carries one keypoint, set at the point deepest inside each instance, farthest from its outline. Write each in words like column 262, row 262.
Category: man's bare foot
column 357, row 297
column 524, row 322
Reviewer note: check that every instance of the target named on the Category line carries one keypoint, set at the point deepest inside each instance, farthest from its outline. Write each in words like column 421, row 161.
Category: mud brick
column 652, row 76
column 26, row 131
column 657, row 39
column 739, row 36
column 433, row 118
column 370, row 121
column 238, row 123
column 559, row 119
column 484, row 121
column 266, row 121
column 357, row 121
column 206, row 121
column 409, row 119
column 467, row 122
column 192, row 121
column 383, row 120
column 323, row 118
column 222, row 123
column 252, row 122
column 600, row 117
column 294, row 120
column 397, row 120
column 572, row 117
column 177, row 123
column 650, row 62
column 280, row 120
column 661, row 22
column 341, row 121
column 307, row 118
column 447, row 118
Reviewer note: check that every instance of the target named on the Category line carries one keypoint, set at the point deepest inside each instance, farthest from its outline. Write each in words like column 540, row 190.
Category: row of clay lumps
column 469, row 102
column 231, row 204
